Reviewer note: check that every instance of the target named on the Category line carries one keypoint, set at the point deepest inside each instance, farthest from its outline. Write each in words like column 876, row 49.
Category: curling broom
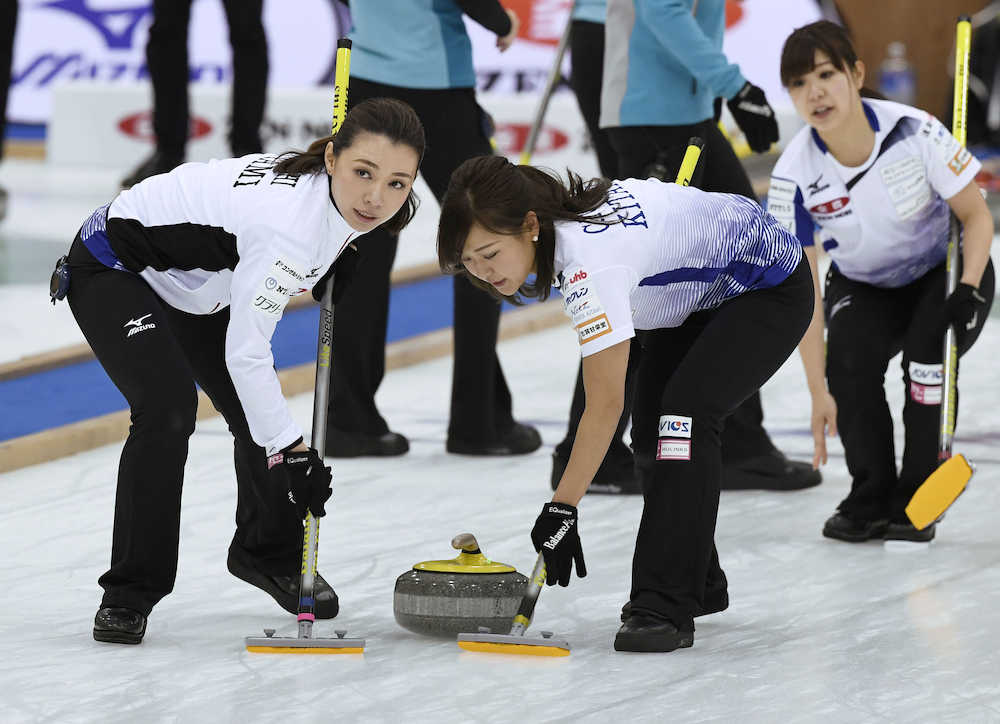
column 936, row 494
column 305, row 643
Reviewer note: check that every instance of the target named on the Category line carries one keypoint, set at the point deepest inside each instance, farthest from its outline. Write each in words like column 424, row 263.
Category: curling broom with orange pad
column 944, row 485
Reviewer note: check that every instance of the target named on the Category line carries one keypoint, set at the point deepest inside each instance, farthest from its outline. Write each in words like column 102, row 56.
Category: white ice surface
column 817, row 630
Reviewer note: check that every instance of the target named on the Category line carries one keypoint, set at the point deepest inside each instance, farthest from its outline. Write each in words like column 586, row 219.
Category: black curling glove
column 755, row 117
column 556, row 534
column 964, row 309
column 305, row 477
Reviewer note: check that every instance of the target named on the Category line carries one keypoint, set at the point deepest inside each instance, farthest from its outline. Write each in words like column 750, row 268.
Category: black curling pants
column 167, row 58
column 868, row 326
column 8, row 23
column 154, row 354
column 586, row 47
column 699, row 373
column 480, row 399
column 743, row 434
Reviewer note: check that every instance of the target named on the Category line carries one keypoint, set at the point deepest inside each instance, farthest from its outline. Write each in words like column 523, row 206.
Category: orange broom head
column 936, row 494
column 490, row 647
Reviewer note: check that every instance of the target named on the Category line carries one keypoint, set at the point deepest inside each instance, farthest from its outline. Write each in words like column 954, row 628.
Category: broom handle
column 554, row 75
column 324, row 358
column 949, row 386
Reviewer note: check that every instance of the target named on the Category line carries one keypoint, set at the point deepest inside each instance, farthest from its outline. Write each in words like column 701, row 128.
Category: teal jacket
column 663, row 64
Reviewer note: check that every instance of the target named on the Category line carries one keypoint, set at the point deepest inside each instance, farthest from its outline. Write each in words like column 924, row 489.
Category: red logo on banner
column 511, row 137
column 140, row 125
column 734, row 12
column 542, row 21
column 830, row 206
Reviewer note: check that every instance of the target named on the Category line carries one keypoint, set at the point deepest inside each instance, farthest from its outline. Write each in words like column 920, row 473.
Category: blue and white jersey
column 229, row 233
column 885, row 222
column 675, row 250
column 663, row 62
column 592, row 11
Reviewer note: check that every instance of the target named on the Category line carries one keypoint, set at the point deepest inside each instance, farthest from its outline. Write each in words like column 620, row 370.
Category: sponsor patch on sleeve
column 281, row 281
column 582, row 304
column 926, row 383
column 667, row 449
column 675, row 426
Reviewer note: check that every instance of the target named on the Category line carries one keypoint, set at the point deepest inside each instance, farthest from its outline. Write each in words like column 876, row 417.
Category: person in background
column 875, row 182
column 663, row 69
column 167, row 57
column 423, row 57
column 8, row 22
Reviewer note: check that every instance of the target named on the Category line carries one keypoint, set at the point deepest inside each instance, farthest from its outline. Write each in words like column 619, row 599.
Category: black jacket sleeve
column 488, row 13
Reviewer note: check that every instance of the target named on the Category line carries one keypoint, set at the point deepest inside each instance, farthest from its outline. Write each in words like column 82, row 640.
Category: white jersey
column 673, row 251
column 229, row 233
column 884, row 222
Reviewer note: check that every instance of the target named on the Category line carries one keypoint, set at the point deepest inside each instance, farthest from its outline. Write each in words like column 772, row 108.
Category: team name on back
column 623, row 206
column 257, row 169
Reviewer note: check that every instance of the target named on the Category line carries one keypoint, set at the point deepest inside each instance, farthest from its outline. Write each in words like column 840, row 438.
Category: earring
column 534, row 239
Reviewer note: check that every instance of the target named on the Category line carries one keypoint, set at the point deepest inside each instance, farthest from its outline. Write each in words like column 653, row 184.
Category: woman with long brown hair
column 718, row 295
column 182, row 279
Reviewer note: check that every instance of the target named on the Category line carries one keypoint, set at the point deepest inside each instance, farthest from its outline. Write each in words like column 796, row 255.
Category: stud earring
column 534, row 239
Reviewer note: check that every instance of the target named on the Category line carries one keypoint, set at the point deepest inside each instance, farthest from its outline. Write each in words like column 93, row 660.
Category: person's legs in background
column 249, row 43
column 750, row 459
column 481, row 404
column 167, row 58
column 360, row 318
column 8, row 22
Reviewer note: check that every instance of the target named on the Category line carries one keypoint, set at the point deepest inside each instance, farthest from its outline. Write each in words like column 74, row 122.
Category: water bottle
column 896, row 79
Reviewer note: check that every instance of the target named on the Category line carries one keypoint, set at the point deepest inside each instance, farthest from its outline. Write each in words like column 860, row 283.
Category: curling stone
column 460, row 595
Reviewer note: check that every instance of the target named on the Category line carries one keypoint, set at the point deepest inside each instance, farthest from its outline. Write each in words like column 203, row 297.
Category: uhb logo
column 675, row 426
column 578, row 277
column 830, row 206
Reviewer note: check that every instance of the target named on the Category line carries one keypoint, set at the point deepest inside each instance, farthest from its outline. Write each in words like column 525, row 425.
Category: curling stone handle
column 465, row 542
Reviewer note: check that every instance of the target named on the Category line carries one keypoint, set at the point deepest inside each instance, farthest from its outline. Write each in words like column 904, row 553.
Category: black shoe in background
column 519, row 439
column 158, row 163
column 769, row 472
column 119, row 625
column 616, row 476
column 647, row 633
column 340, row 444
column 285, row 589
column 908, row 532
column 853, row 530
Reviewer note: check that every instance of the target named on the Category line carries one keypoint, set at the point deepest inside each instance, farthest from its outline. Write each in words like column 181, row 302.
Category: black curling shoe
column 518, row 440
column 340, row 444
column 853, row 530
column 907, row 531
column 772, row 471
column 285, row 589
column 616, row 476
column 651, row 634
column 119, row 626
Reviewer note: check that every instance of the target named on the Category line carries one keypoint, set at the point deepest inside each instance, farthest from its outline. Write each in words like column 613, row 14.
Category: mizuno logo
column 137, row 322
column 138, row 325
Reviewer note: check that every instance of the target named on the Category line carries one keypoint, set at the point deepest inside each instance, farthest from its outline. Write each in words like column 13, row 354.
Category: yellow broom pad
column 303, row 650
column 520, row 649
column 936, row 494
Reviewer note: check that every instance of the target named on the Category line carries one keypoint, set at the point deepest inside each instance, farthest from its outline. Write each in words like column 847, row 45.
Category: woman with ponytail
column 718, row 295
